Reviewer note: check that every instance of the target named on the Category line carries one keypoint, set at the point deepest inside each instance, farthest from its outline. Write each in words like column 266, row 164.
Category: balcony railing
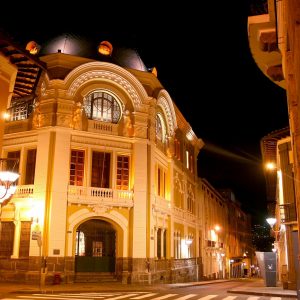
column 288, row 212
column 24, row 191
column 258, row 7
column 102, row 127
column 93, row 195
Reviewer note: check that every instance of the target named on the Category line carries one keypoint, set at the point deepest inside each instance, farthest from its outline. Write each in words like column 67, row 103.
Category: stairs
column 95, row 277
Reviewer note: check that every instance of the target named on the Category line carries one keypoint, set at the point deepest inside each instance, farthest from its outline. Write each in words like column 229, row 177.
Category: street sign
column 36, row 235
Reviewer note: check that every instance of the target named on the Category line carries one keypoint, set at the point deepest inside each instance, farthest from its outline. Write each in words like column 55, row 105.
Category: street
column 216, row 291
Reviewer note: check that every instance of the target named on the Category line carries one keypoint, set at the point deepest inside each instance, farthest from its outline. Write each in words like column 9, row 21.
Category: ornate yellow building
column 108, row 175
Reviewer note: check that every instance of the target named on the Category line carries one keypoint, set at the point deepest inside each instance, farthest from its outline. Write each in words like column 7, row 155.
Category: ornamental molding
column 100, row 142
column 19, row 141
column 86, row 213
column 100, row 208
column 107, row 75
column 166, row 104
column 106, row 71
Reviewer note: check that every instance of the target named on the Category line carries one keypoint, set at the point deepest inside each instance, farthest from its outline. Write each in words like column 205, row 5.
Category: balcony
column 161, row 204
column 258, row 7
column 93, row 195
column 183, row 214
column 288, row 213
column 102, row 127
column 24, row 191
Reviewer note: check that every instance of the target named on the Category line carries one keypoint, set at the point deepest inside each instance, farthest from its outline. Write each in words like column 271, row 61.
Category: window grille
column 102, row 106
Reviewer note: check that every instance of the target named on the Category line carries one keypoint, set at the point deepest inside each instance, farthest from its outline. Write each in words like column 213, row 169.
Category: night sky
column 203, row 61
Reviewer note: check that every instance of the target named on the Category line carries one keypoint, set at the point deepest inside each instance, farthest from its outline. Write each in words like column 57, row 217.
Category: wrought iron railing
column 288, row 212
column 258, row 7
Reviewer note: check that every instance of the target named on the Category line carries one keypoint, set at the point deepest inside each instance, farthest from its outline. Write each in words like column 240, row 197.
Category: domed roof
column 79, row 46
column 128, row 58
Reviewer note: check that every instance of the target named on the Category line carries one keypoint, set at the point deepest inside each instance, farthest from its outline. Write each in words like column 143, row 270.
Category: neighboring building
column 276, row 148
column 108, row 175
column 214, row 216
column 275, row 45
column 239, row 238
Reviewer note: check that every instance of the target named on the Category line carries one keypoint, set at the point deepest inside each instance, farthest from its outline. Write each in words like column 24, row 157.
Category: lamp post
column 7, row 187
column 7, row 179
column 272, row 221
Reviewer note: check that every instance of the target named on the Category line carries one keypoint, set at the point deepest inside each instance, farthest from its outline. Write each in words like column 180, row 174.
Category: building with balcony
column 108, row 174
column 280, row 182
column 274, row 42
column 108, row 182
column 213, row 213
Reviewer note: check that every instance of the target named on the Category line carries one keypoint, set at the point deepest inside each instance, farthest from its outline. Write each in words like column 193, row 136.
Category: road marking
column 186, row 297
column 253, row 298
column 144, row 296
column 57, row 297
column 164, row 297
column 122, row 297
column 275, row 298
column 229, row 298
column 208, row 297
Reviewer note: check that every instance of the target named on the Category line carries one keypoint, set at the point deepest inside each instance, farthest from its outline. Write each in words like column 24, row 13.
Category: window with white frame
column 103, row 106
column 122, row 172
column 76, row 167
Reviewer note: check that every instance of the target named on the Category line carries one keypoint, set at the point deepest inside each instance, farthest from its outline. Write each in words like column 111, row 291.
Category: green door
column 95, row 247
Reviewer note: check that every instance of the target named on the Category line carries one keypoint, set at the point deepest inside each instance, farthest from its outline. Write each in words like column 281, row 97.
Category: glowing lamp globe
column 105, row 48
column 33, row 47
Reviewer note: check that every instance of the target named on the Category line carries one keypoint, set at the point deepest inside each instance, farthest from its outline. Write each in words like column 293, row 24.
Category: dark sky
column 203, row 61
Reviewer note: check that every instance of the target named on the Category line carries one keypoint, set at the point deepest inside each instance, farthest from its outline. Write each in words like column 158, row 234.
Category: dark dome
column 128, row 58
column 79, row 46
column 67, row 44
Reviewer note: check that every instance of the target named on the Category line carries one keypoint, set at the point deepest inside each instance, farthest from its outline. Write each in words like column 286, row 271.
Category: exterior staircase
column 95, row 277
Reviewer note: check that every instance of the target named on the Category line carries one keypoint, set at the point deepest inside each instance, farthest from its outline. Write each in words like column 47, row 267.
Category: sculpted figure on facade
column 76, row 119
column 37, row 120
column 170, row 146
column 128, row 129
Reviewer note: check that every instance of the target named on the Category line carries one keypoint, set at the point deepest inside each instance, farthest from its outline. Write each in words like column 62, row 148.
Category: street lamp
column 272, row 221
column 7, row 179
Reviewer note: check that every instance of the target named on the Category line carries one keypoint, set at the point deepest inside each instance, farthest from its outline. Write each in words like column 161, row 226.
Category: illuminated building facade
column 108, row 176
column 274, row 43
column 276, row 147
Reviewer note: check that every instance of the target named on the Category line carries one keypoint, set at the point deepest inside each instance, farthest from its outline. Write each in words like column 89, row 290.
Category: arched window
column 160, row 128
column 102, row 106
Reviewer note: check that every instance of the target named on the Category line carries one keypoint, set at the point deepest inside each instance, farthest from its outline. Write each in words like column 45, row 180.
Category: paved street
column 215, row 290
column 136, row 295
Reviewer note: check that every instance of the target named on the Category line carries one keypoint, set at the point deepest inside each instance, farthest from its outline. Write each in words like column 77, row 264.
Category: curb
column 270, row 294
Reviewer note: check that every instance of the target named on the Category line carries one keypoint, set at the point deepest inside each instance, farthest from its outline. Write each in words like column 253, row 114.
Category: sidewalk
column 250, row 287
column 257, row 287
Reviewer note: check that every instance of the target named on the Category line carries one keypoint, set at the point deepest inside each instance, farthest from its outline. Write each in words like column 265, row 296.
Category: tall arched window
column 160, row 128
column 102, row 106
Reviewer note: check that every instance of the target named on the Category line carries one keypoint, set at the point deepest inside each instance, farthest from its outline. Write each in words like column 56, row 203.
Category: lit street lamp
column 7, row 179
column 272, row 221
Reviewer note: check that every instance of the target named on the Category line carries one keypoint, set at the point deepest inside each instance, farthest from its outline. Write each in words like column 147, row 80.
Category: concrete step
column 95, row 277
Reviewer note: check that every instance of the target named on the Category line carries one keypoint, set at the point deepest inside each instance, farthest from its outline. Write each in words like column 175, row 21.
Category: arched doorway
column 95, row 247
